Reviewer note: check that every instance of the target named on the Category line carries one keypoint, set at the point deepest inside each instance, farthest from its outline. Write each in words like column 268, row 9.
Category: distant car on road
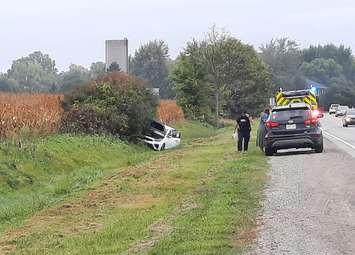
column 293, row 126
column 349, row 118
column 333, row 108
column 342, row 109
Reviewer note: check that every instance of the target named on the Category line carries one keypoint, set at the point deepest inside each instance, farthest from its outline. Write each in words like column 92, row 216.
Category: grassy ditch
column 45, row 171
column 199, row 199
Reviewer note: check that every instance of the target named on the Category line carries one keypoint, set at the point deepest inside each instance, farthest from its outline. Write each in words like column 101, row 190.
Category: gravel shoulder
column 309, row 205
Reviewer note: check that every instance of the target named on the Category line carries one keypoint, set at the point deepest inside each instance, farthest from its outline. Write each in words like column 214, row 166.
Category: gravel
column 309, row 205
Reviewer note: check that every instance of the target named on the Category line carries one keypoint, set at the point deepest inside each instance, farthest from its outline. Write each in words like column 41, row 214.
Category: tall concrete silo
column 117, row 51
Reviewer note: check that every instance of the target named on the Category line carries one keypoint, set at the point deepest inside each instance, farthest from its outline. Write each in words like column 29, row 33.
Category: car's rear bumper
column 295, row 141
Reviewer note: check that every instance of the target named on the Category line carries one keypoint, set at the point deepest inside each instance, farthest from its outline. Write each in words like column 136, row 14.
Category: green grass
column 48, row 170
column 193, row 129
column 199, row 199
column 45, row 171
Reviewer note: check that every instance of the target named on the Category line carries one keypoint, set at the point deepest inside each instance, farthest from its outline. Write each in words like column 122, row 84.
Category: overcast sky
column 74, row 31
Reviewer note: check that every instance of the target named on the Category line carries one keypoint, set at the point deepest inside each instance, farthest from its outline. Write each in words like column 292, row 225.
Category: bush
column 115, row 104
column 169, row 112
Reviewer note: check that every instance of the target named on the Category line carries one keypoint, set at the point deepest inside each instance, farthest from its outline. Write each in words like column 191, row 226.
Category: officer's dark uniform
column 244, row 129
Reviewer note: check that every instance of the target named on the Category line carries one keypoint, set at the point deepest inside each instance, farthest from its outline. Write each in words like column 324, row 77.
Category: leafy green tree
column 341, row 55
column 233, row 71
column 36, row 72
column 47, row 64
column 151, row 63
column 75, row 77
column 97, row 69
column 114, row 67
column 230, row 74
column 322, row 70
column 190, row 78
column 7, row 85
column 340, row 91
column 284, row 57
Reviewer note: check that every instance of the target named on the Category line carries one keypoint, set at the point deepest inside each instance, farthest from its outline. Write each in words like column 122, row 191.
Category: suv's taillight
column 311, row 121
column 272, row 124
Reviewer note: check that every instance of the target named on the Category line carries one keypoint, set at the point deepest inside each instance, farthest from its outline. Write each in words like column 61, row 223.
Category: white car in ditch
column 161, row 137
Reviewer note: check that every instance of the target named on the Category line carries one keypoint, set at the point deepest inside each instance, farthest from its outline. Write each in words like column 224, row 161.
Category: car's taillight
column 311, row 121
column 272, row 124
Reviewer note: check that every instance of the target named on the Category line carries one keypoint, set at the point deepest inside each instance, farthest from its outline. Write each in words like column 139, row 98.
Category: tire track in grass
column 124, row 190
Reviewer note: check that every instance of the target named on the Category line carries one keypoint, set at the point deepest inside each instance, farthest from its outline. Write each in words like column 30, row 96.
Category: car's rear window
column 343, row 107
column 287, row 114
column 334, row 105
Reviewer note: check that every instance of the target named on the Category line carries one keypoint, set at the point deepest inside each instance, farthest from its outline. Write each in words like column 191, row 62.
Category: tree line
column 216, row 76
column 330, row 65
column 37, row 72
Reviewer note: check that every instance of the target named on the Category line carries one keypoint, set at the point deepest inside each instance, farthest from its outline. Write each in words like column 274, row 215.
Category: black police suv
column 293, row 126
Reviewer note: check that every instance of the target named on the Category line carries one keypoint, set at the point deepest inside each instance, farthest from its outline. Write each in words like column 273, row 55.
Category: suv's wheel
column 319, row 148
column 162, row 147
column 269, row 151
column 345, row 125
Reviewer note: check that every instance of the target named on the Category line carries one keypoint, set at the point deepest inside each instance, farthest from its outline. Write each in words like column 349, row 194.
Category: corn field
column 169, row 112
column 25, row 114
column 28, row 114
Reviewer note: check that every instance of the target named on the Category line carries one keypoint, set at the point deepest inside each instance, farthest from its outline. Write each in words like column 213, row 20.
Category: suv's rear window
column 287, row 114
column 334, row 106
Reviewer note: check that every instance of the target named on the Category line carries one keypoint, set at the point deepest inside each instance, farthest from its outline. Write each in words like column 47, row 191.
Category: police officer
column 261, row 129
column 243, row 127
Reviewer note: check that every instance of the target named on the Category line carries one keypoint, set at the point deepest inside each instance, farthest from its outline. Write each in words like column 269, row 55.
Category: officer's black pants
column 243, row 139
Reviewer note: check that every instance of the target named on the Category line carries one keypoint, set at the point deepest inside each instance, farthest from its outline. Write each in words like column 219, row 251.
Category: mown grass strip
column 197, row 199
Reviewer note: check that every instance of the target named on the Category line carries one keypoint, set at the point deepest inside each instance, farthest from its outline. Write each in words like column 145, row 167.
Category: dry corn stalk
column 29, row 113
column 169, row 112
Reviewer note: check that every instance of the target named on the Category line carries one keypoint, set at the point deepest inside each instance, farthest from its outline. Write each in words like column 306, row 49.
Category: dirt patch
column 245, row 237
column 161, row 228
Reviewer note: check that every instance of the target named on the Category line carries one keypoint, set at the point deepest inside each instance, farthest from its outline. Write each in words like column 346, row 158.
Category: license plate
column 291, row 126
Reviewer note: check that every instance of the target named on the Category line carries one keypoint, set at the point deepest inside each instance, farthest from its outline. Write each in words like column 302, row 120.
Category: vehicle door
column 175, row 138
column 169, row 141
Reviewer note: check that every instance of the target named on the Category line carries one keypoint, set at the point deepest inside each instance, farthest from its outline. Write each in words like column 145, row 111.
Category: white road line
column 339, row 139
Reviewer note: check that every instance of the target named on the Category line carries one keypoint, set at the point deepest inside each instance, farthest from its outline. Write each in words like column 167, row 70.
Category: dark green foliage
column 221, row 75
column 322, row 70
column 8, row 85
column 190, row 78
column 114, row 67
column 335, row 68
column 341, row 91
column 341, row 55
column 329, row 65
column 115, row 104
column 151, row 62
column 36, row 72
column 75, row 77
column 283, row 58
column 97, row 69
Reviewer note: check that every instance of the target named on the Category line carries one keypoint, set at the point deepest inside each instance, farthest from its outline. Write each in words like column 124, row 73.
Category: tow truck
column 284, row 98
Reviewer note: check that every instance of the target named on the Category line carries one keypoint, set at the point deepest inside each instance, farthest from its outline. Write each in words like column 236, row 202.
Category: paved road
column 309, row 205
